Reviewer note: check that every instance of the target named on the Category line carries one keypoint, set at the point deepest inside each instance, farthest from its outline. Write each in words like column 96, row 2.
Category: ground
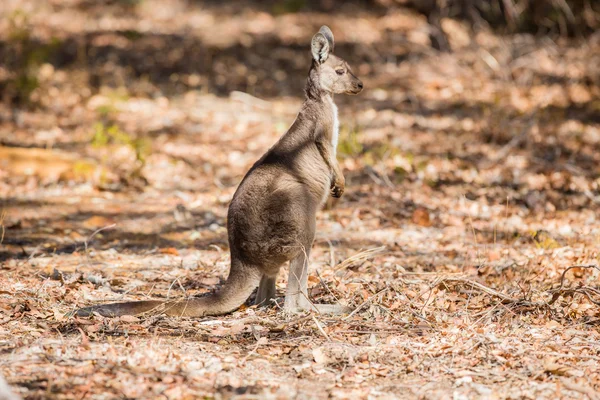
column 467, row 240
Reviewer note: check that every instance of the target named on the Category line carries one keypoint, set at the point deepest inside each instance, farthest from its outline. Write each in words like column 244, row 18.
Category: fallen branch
column 504, row 297
column 361, row 256
column 582, row 289
column 366, row 302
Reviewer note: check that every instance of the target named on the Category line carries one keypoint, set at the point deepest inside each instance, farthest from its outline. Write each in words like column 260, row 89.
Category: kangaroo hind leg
column 266, row 290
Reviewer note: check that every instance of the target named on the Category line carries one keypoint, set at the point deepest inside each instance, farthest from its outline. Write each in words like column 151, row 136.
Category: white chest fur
column 335, row 126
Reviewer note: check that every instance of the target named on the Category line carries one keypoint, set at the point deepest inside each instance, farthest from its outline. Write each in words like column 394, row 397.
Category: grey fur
column 325, row 31
column 320, row 48
column 272, row 215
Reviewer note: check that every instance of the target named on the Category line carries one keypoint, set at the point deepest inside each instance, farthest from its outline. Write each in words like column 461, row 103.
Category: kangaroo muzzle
column 357, row 87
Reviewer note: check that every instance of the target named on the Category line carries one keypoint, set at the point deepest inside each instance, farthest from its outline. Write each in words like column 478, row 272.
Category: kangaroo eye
column 340, row 71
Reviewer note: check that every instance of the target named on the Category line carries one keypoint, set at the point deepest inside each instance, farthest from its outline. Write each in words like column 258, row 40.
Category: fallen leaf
column 129, row 318
column 85, row 342
column 169, row 250
column 421, row 217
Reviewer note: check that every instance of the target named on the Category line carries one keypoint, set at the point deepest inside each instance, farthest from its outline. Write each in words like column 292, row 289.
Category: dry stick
column 483, row 288
column 297, row 321
column 475, row 239
column 243, row 361
column 413, row 305
column 31, row 256
column 180, row 286
column 326, row 287
column 508, row 299
column 429, row 292
column 89, row 238
column 375, row 178
column 366, row 302
column 582, row 290
column 361, row 256
column 320, row 327
column 562, row 277
column 561, row 355
column 256, row 321
column 331, row 255
column 2, row 217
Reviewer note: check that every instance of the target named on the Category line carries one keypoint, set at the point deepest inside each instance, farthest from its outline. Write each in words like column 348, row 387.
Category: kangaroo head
column 333, row 74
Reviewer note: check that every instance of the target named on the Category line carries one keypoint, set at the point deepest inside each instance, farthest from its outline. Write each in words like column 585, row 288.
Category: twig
column 256, row 321
column 2, row 217
column 180, row 285
column 561, row 355
column 583, row 289
column 89, row 238
column 562, row 276
column 361, row 256
column 258, row 343
column 366, row 302
column 483, row 288
column 320, row 328
column 326, row 287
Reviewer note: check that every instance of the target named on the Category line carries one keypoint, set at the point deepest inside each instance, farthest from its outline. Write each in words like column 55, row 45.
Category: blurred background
column 137, row 110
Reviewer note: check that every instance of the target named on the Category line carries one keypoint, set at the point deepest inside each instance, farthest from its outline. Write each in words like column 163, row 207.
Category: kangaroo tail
column 241, row 282
column 117, row 309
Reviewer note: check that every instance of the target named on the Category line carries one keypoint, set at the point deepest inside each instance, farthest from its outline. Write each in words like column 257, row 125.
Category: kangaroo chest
column 335, row 125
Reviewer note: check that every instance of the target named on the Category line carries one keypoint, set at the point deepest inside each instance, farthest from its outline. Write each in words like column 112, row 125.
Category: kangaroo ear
column 319, row 48
column 325, row 31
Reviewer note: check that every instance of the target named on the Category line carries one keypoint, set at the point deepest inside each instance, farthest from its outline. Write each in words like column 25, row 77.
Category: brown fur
column 271, row 218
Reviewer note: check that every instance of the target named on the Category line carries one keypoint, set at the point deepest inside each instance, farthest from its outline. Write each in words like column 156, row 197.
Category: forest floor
column 467, row 241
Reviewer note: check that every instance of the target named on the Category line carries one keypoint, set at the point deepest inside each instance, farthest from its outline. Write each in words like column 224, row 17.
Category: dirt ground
column 467, row 241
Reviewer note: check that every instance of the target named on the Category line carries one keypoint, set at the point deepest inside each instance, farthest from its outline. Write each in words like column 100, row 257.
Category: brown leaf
column 96, row 222
column 421, row 217
column 129, row 318
column 85, row 342
column 169, row 250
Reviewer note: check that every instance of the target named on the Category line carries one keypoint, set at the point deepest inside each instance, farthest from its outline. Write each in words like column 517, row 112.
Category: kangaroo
column 272, row 216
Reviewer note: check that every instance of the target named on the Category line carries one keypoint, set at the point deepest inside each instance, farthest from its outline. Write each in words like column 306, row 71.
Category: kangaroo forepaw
column 337, row 191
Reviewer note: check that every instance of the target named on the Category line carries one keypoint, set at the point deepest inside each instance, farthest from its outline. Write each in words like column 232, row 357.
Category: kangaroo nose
column 360, row 85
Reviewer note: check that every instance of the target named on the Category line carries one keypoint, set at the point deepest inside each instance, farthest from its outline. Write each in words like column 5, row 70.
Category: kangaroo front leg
column 338, row 182
column 296, row 298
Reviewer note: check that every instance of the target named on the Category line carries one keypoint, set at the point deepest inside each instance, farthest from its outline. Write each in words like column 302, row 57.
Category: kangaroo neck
column 313, row 90
column 318, row 101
